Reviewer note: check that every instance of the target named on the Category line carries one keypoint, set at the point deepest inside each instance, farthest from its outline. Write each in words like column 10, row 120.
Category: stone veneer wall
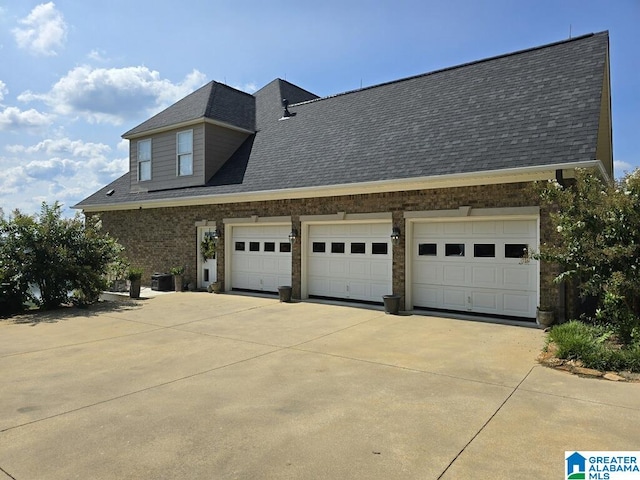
column 158, row 238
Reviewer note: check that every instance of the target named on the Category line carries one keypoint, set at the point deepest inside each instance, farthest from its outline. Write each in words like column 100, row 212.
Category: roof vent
column 110, row 192
column 286, row 113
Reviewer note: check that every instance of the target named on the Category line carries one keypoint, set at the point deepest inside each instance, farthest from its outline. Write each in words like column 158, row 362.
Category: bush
column 57, row 255
column 595, row 346
column 598, row 244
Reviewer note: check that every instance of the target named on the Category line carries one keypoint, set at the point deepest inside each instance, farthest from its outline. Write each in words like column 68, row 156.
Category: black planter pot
column 134, row 289
column 391, row 304
column 285, row 294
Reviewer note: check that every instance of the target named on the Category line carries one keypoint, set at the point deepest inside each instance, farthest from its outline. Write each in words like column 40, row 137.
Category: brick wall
column 157, row 239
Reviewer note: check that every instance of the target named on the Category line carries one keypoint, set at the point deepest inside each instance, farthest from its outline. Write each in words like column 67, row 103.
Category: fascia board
column 512, row 175
column 189, row 123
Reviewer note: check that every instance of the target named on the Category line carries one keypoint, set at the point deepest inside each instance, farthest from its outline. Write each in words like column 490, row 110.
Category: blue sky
column 76, row 75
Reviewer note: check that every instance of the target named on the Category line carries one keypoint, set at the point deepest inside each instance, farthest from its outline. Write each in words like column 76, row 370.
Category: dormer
column 186, row 144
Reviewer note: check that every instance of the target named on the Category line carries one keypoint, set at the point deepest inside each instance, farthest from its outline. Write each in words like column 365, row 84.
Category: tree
column 598, row 243
column 60, row 256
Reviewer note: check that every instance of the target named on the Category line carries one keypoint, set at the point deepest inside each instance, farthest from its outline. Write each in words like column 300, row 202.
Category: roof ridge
column 212, row 93
column 454, row 67
column 297, row 86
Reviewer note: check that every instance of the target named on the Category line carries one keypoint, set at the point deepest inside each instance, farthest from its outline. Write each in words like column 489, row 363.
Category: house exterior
column 420, row 187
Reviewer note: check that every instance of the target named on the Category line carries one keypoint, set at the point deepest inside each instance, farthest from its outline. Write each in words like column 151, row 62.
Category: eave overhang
column 492, row 177
column 188, row 123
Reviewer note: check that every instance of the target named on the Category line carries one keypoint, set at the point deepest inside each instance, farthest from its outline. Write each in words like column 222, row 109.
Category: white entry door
column 260, row 258
column 350, row 261
column 475, row 266
column 207, row 273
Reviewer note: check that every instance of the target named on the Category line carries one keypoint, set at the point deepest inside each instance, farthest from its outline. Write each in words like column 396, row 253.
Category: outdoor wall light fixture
column 293, row 236
column 214, row 235
column 395, row 236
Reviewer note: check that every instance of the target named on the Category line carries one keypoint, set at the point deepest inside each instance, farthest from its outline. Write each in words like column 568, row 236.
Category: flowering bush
column 598, row 243
column 55, row 255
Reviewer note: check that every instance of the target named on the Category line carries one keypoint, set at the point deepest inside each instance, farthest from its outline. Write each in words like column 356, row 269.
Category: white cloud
column 62, row 146
column 43, row 31
column 123, row 146
column 59, row 169
column 3, row 90
column 249, row 87
column 622, row 166
column 98, row 55
column 46, row 169
column 114, row 94
column 12, row 118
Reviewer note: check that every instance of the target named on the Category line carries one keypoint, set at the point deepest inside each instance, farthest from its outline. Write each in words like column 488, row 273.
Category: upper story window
column 185, row 153
column 144, row 160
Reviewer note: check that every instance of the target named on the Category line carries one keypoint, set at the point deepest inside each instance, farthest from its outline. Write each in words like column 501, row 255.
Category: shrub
column 57, row 255
column 595, row 346
column 598, row 244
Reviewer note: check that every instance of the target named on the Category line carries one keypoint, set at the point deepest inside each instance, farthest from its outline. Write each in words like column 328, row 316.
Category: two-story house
column 420, row 187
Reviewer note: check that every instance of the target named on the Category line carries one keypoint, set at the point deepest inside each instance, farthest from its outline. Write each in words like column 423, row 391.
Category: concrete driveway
column 202, row 386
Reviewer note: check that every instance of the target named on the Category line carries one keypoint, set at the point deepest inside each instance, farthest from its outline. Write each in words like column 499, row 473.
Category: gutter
column 491, row 177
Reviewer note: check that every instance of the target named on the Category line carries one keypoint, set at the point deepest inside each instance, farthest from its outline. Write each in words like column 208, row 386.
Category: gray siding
column 164, row 166
column 220, row 143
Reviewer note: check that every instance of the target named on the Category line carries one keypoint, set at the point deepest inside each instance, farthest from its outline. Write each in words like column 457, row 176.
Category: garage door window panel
column 254, row 246
column 319, row 247
column 515, row 250
column 378, row 248
column 285, row 247
column 358, row 247
column 454, row 249
column 484, row 250
column 427, row 249
column 337, row 247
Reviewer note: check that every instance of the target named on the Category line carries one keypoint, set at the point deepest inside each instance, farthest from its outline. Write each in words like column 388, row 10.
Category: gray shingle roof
column 536, row 107
column 214, row 101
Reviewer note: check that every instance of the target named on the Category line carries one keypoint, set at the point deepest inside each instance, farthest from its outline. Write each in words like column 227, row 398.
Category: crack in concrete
column 7, row 473
column 124, row 395
column 158, row 328
column 487, row 422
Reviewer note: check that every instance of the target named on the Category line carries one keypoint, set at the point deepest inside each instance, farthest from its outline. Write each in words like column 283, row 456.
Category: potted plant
column 216, row 287
column 545, row 315
column 177, row 273
column 134, row 275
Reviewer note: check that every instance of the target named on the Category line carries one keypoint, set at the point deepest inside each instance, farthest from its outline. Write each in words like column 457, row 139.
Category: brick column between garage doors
column 398, row 265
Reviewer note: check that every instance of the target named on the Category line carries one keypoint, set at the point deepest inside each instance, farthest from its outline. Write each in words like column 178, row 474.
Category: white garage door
column 351, row 261
column 260, row 258
column 475, row 266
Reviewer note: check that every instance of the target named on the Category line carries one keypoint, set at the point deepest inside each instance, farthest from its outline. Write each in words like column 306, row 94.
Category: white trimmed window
column 144, row 160
column 185, row 153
